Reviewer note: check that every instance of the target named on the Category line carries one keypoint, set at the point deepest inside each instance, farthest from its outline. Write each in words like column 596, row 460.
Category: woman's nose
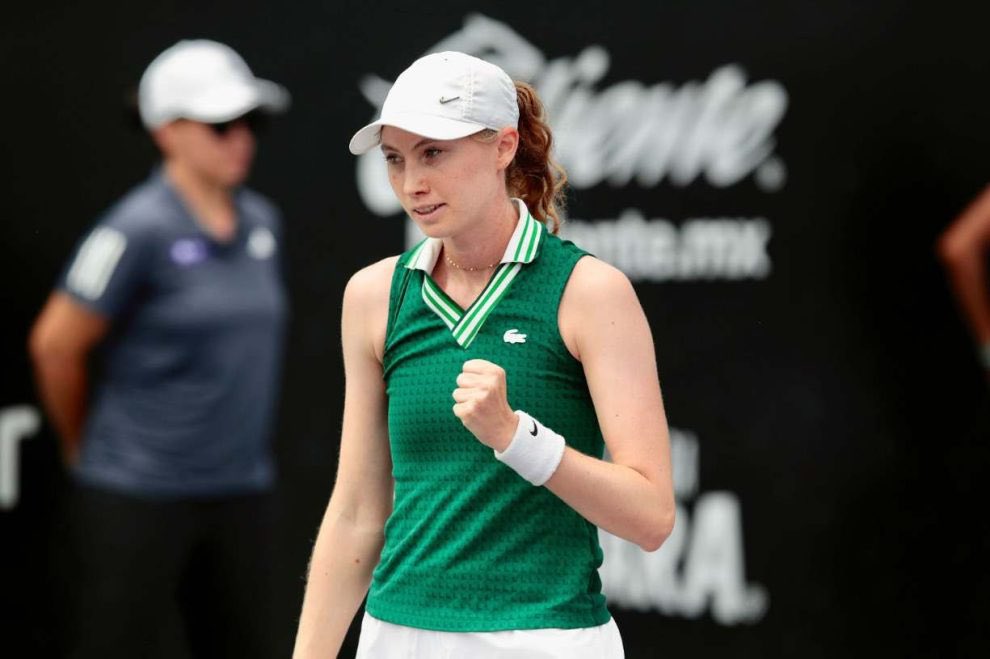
column 414, row 182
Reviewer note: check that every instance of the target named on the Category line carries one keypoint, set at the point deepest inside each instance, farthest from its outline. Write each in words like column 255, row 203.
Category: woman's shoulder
column 366, row 300
column 372, row 282
column 599, row 306
column 594, row 281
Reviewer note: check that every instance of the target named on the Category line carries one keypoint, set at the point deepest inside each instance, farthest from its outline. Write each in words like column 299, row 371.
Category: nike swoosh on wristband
column 533, row 431
column 444, row 100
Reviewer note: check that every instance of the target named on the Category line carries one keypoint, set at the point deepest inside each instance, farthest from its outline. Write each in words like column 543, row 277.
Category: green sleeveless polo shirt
column 470, row 545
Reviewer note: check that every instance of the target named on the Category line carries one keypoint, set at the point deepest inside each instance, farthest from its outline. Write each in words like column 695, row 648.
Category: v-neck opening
column 201, row 227
column 465, row 324
column 463, row 310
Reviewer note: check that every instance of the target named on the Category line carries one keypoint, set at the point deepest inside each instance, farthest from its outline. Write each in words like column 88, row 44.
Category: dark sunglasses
column 256, row 122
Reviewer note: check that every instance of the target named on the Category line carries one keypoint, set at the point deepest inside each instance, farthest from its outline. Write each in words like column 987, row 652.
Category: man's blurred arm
column 60, row 342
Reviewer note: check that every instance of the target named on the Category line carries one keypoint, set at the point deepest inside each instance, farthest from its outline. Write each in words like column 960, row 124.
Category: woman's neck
column 211, row 205
column 475, row 253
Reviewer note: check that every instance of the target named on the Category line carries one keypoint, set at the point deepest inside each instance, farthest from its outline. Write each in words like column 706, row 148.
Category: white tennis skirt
column 384, row 640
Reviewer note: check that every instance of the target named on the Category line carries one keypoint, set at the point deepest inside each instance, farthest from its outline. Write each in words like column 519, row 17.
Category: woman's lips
column 427, row 210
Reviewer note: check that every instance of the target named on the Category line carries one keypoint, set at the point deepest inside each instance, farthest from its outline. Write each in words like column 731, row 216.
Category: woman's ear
column 507, row 144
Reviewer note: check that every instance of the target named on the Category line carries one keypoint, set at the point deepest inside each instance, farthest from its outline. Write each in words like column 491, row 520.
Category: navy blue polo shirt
column 186, row 381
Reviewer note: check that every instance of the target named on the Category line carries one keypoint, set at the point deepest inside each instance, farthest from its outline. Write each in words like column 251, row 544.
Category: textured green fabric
column 470, row 545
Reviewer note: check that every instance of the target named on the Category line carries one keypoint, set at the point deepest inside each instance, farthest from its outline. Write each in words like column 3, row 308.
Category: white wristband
column 535, row 451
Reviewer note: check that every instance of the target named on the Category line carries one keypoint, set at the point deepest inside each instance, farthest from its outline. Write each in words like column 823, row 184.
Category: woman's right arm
column 60, row 342
column 352, row 532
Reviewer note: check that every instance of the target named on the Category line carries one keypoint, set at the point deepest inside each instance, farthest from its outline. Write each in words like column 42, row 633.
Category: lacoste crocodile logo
column 513, row 336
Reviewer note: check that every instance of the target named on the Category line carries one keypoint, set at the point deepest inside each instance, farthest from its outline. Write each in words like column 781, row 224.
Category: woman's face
column 221, row 154
column 446, row 185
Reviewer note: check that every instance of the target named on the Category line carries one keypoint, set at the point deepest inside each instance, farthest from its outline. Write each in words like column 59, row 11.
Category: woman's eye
column 391, row 158
column 432, row 152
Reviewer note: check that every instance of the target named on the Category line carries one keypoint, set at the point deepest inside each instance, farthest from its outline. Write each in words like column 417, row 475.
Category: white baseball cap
column 204, row 81
column 444, row 96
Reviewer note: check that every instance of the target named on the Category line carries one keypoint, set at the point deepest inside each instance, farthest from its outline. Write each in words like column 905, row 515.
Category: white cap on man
column 204, row 81
column 444, row 96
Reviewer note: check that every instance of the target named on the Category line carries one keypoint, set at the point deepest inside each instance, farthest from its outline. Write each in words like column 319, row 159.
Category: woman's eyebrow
column 425, row 140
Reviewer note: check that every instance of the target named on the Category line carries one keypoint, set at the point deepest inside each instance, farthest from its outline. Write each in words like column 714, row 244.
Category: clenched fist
column 482, row 404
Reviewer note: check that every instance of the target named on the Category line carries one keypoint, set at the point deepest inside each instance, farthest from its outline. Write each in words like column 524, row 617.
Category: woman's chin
column 431, row 229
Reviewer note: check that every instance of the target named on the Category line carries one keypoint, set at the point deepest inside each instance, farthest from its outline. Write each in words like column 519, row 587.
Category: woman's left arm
column 604, row 327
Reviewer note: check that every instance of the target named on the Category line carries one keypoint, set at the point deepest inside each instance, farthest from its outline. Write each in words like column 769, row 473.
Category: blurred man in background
column 177, row 294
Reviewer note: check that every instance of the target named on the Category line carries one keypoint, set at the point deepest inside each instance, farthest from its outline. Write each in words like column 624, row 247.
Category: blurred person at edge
column 471, row 525
column 177, row 293
column 963, row 248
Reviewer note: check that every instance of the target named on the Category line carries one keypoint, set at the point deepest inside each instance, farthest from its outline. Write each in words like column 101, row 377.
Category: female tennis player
column 487, row 369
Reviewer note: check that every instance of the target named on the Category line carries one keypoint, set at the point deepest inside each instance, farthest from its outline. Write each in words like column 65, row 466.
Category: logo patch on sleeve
column 96, row 261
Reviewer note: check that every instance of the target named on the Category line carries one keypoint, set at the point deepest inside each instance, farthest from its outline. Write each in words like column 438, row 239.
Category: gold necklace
column 460, row 267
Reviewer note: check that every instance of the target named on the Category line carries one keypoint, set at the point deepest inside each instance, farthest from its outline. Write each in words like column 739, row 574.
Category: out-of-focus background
column 772, row 177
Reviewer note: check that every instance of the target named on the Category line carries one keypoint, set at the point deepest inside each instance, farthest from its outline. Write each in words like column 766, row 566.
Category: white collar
column 522, row 247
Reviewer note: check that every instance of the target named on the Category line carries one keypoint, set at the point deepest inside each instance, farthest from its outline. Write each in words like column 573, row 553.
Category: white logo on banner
column 658, row 250
column 16, row 424
column 700, row 567
column 720, row 130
